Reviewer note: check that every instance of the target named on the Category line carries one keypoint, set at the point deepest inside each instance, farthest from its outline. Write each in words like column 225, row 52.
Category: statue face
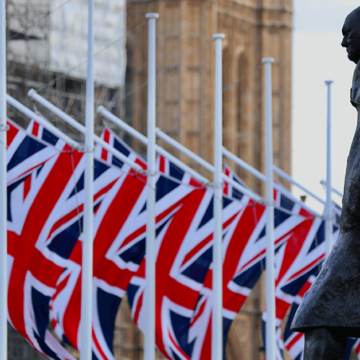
column 351, row 33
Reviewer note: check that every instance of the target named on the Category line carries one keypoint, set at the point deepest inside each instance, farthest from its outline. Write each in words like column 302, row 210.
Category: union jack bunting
column 244, row 250
column 24, row 153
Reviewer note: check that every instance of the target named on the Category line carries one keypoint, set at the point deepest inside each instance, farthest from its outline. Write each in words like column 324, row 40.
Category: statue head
column 351, row 33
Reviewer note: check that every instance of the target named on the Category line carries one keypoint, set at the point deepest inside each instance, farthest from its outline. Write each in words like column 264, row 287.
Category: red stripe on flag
column 162, row 164
column 199, row 313
column 98, row 347
column 138, row 308
column 27, row 186
column 104, row 153
column 308, row 266
column 176, row 345
column 295, row 339
column 305, row 288
column 35, row 129
column 195, row 183
column 60, row 287
column 10, row 135
column 358, row 348
column 226, row 185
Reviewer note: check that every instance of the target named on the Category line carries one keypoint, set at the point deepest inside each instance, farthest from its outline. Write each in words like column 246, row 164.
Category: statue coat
column 334, row 298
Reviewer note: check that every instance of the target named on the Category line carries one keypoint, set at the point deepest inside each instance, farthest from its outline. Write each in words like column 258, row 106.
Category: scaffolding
column 46, row 42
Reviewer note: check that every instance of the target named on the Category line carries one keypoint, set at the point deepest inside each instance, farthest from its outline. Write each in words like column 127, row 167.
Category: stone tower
column 185, row 108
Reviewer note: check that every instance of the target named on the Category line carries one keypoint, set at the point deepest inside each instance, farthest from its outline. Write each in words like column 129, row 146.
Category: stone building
column 185, row 109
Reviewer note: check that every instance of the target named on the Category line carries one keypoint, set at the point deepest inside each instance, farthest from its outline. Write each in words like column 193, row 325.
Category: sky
column 318, row 56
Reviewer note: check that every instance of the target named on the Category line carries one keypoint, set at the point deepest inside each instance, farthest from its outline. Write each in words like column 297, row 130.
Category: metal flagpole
column 328, row 211
column 270, row 252
column 182, row 149
column 87, row 256
column 262, row 177
column 3, row 191
column 288, row 178
column 81, row 128
column 149, row 353
column 336, row 191
column 217, row 323
column 45, row 123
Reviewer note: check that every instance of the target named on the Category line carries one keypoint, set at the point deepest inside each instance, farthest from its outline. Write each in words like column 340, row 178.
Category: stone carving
column 330, row 311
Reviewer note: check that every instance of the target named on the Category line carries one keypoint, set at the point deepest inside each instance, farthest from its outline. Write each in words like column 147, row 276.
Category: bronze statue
column 330, row 311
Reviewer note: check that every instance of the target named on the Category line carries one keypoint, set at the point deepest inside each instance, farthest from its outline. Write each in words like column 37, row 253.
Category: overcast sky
column 318, row 56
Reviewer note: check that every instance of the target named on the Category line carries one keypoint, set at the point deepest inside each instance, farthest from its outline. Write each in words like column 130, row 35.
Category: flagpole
column 217, row 323
column 270, row 252
column 328, row 211
column 3, row 190
column 336, row 191
column 101, row 110
column 262, row 177
column 149, row 351
column 87, row 255
column 81, row 128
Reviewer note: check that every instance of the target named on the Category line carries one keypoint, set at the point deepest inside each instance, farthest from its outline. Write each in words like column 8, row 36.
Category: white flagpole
column 149, row 351
column 182, row 149
column 262, row 177
column 87, row 256
column 270, row 253
column 336, row 191
column 328, row 215
column 81, row 128
column 3, row 191
column 217, row 323
column 45, row 123
column 288, row 178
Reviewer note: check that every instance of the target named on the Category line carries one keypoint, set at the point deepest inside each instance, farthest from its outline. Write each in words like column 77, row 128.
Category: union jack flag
column 109, row 218
column 44, row 224
column 244, row 250
column 119, row 246
column 183, row 321
column 353, row 344
column 295, row 342
column 25, row 153
column 297, row 261
column 184, row 255
column 33, row 266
